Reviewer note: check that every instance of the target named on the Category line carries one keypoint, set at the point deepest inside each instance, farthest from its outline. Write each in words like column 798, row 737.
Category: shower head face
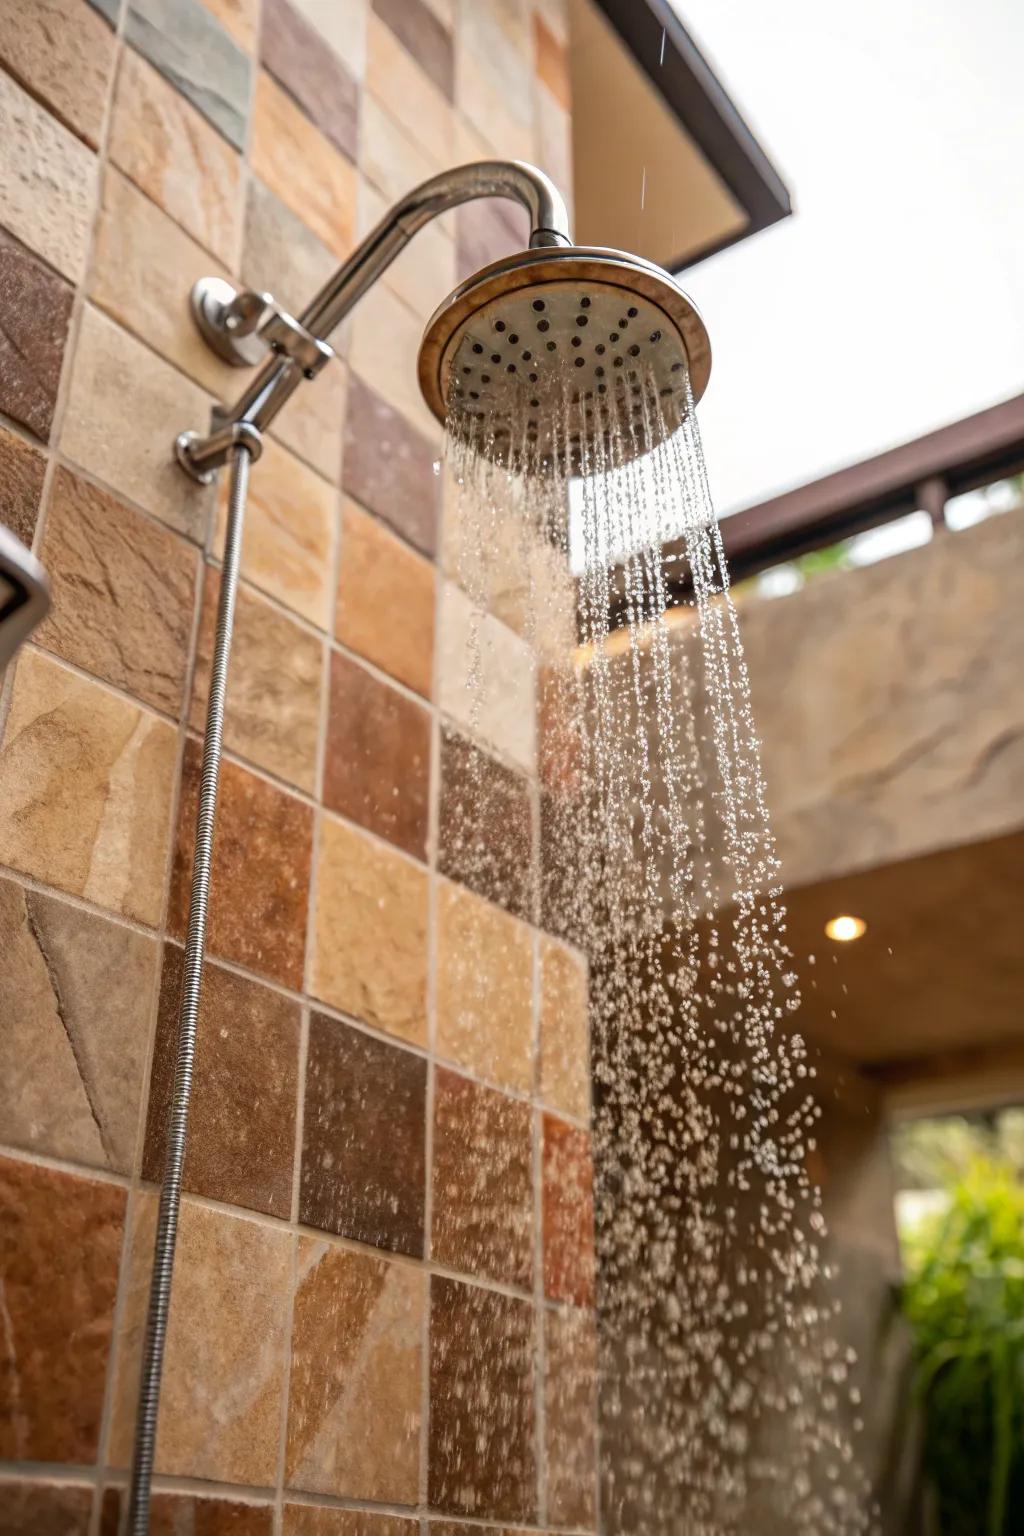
column 536, row 347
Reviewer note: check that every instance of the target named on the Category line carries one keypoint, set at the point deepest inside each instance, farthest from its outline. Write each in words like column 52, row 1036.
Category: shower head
column 533, row 345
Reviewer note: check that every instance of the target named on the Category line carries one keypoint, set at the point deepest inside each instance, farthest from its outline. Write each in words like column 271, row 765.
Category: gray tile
column 109, row 9
column 189, row 47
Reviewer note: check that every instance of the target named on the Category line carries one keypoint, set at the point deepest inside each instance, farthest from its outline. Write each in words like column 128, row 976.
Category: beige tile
column 302, row 167
column 385, row 600
column 124, row 409
column 178, row 159
column 486, row 678
column 424, row 274
column 85, row 789
column 342, row 24
column 484, row 988
column 47, row 182
column 63, row 51
column 551, row 61
column 312, row 424
column 552, row 130
column 239, row 18
column 389, row 158
column 370, row 956
column 407, row 93
column 390, row 367
column 280, row 253
column 289, row 529
column 220, row 1407
column 564, row 1066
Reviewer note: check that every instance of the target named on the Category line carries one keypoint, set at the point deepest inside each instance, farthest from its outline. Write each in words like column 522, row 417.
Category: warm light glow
column 845, row 928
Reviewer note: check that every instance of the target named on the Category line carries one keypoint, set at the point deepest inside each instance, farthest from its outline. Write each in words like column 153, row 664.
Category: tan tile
column 63, row 51
column 22, row 469
column 273, row 699
column 390, row 369
column 424, row 274
column 385, row 600
column 552, row 131
column 124, row 409
column 551, row 61
column 320, row 1520
column 238, row 18
column 220, row 1406
column 426, row 36
column 370, row 958
column 486, row 679
column 484, row 988
column 389, row 158
column 302, row 167
column 47, row 182
column 564, row 1066
column 342, row 25
column 312, row 424
column 568, row 1212
column 407, row 92
column 178, row 159
column 570, row 1419
column 85, row 789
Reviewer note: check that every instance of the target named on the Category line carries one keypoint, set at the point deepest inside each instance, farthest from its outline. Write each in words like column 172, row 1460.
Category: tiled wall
column 381, row 1317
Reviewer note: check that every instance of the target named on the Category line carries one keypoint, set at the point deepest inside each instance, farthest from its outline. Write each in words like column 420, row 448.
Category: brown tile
column 482, row 1453
column 363, row 1138
column 389, row 467
column 302, row 167
column 486, row 830
column 76, row 997
column 241, row 1143
column 56, row 1335
column 427, row 39
column 261, row 860
column 570, row 1416
column 377, row 767
column 238, row 18
column 47, row 182
column 44, row 1509
column 406, row 91
column 63, row 52
column 85, row 789
column 484, row 988
column 189, row 1514
column 167, row 148
column 568, row 1215
column 467, row 1528
column 317, row 1520
column 356, row 1380
column 220, row 1406
column 272, row 710
column 22, row 468
column 385, row 605
column 123, row 593
column 483, row 1181
column 564, row 1065
column 35, row 307
column 315, row 78
column 370, row 957
column 551, row 61
column 280, row 254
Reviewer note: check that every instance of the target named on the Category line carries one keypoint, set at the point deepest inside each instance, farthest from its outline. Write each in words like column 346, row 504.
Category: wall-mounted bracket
column 242, row 326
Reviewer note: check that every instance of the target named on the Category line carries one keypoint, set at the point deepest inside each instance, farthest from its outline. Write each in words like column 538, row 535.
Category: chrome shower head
column 533, row 343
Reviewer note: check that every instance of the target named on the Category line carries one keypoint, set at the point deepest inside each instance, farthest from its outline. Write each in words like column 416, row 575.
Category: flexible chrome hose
column 247, row 447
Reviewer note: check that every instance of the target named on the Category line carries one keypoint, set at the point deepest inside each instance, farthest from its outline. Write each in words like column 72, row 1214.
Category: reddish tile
column 385, row 600
column 189, row 1514
column 313, row 75
column 22, row 468
column 568, row 1201
column 486, row 826
column 389, row 467
column 425, row 36
column 56, row 1337
column 35, row 308
column 570, row 1416
column 44, row 1509
column 363, row 1138
column 377, row 768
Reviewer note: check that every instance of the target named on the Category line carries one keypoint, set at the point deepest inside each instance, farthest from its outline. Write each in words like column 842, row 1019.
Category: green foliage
column 964, row 1299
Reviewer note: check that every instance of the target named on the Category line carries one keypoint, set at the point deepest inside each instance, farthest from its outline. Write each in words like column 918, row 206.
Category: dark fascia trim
column 668, row 55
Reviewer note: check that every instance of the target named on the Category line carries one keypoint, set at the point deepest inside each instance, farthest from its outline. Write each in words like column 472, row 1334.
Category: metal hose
column 247, row 448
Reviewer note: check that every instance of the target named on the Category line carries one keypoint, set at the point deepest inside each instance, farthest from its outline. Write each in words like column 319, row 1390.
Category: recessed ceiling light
column 845, row 928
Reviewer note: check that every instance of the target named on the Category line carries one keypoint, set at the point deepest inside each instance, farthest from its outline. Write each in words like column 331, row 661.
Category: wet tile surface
column 485, row 832
column 486, row 678
column 56, row 1336
column 377, row 765
column 187, row 44
column 62, row 51
column 482, row 1455
column 301, row 165
column 355, row 1389
column 45, row 1509
column 570, row 1417
column 483, row 1181
column 426, row 38
column 261, row 861
column 363, row 1138
column 241, row 1143
column 568, row 1213
column 385, row 608
column 123, row 593
column 313, row 1520
column 370, row 957
column 47, row 182
column 484, row 989
column 314, row 76
column 388, row 467
column 189, row 1514
column 35, row 308
column 564, row 1066
column 22, row 468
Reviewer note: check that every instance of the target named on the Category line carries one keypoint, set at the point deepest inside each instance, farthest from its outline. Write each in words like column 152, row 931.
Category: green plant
column 964, row 1299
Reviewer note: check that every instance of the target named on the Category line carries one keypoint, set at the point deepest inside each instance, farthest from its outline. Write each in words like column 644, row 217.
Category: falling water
column 726, row 1401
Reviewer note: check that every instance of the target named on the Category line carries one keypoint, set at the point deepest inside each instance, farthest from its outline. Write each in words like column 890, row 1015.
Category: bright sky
column 892, row 301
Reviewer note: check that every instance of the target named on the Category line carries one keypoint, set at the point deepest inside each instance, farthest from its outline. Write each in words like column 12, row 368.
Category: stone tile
column 564, row 1064
column 281, row 255
column 319, row 1520
column 342, row 25
column 62, row 51
column 370, row 956
column 47, row 182
column 425, row 36
column 189, row 1514
column 406, row 91
column 293, row 51
column 377, row 765
column 388, row 157
column 241, row 1142
column 187, row 44
column 76, row 997
column 486, row 826
column 363, row 1138
column 85, row 790
column 390, row 370
column 424, row 273
column 312, row 423
column 483, row 1181
column 388, row 466
column 302, row 166
column 123, row 593
column 486, row 682
column 220, row 1406
column 355, row 1389
column 494, row 73
column 468, row 1528
column 487, row 231
column 35, row 307
column 385, row 605
column 482, row 1456
column 239, row 18
column 45, row 1509
column 552, row 134
column 570, row 1417
column 551, row 61
column 167, row 148
column 22, row 468
column 124, row 408
column 261, row 861
column 484, row 988
column 289, row 530
column 56, row 1336
column 272, row 711
column 568, row 1213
